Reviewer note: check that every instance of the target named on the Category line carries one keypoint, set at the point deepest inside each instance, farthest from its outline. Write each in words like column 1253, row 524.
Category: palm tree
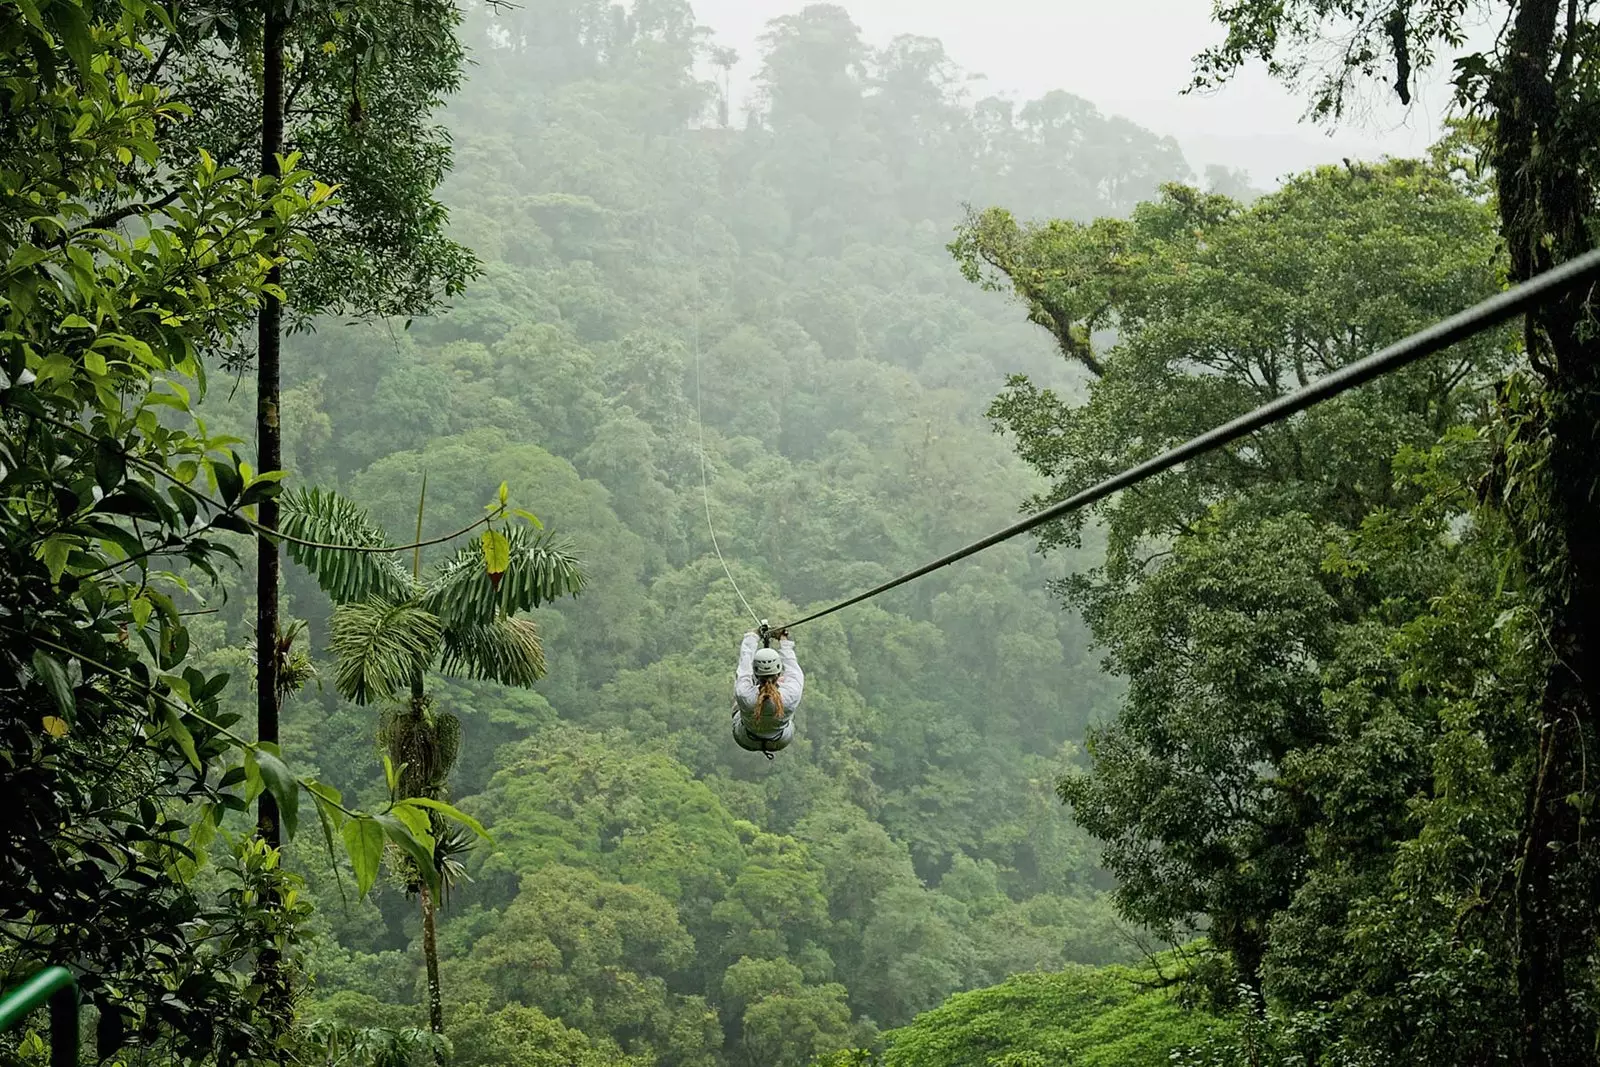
column 391, row 625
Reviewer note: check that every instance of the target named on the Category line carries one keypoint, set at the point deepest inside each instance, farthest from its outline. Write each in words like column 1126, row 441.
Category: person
column 767, row 686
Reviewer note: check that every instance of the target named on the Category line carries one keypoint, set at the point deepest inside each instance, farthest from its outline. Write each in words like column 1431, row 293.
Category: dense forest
column 1273, row 759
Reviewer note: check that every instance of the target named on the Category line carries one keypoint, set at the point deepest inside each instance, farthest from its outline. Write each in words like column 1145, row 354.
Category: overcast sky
column 1129, row 57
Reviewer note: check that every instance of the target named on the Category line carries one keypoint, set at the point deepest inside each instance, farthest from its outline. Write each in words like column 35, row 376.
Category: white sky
column 1129, row 57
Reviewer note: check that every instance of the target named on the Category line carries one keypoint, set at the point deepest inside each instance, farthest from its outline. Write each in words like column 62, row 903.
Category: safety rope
column 1441, row 335
column 700, row 425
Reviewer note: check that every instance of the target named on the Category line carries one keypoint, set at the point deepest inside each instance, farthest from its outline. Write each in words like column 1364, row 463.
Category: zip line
column 1441, row 335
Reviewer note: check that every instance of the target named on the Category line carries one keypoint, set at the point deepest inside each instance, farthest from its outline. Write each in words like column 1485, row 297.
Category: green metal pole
column 56, row 985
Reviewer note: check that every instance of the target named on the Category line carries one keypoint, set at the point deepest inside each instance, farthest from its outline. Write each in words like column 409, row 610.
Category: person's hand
column 783, row 635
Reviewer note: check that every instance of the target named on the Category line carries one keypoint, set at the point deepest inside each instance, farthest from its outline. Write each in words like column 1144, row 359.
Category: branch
column 219, row 506
column 116, row 215
column 182, row 709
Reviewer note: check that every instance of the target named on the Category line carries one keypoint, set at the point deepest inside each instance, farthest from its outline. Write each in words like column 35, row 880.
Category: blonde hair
column 767, row 693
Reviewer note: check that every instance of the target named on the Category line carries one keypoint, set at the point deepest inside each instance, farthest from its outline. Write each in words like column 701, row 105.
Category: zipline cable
column 1441, row 335
column 700, row 422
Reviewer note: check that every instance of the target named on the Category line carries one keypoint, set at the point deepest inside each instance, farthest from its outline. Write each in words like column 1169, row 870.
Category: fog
column 1130, row 58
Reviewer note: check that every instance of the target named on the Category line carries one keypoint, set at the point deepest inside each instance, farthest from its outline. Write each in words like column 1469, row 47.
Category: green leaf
column 506, row 649
column 180, row 733
column 496, row 552
column 254, row 785
column 529, row 517
column 229, row 483
column 415, row 818
column 54, row 677
column 55, row 552
column 283, row 787
column 379, row 647
column 26, row 255
column 453, row 813
column 72, row 24
column 363, row 842
column 418, row 847
column 327, row 518
column 542, row 568
column 329, row 816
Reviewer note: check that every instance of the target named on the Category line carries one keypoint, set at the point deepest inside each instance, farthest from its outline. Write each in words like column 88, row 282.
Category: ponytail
column 767, row 694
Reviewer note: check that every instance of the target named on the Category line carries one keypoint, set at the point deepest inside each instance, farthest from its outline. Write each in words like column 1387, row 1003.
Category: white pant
column 761, row 742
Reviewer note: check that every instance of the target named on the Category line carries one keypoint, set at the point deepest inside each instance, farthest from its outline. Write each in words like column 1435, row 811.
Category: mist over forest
column 506, row 367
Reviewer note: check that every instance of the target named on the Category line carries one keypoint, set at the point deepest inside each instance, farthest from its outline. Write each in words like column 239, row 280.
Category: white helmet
column 768, row 664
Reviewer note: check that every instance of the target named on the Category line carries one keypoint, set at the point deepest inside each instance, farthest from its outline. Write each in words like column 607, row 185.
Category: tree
column 784, row 1021
column 349, row 88
column 1536, row 93
column 1213, row 600
column 120, row 763
column 1115, row 1017
column 390, row 627
column 597, row 955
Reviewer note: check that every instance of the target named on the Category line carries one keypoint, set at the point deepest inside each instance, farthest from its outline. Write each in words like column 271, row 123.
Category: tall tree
column 347, row 88
column 119, row 763
column 391, row 626
column 1212, row 599
column 1537, row 89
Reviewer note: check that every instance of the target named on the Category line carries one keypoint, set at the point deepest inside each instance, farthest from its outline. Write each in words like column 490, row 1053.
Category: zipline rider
column 767, row 686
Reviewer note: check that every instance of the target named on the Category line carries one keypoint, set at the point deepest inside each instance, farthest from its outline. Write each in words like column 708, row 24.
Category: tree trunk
column 269, row 443
column 430, row 953
column 1544, row 194
column 277, row 999
column 416, row 786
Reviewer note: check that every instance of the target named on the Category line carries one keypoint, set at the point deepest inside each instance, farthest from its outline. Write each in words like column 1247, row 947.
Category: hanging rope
column 700, row 425
column 1439, row 336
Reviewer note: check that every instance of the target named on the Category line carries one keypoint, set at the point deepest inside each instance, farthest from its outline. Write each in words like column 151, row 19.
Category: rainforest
column 407, row 407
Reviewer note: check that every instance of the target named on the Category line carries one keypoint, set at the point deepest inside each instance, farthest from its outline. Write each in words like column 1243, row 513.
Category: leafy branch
column 404, row 822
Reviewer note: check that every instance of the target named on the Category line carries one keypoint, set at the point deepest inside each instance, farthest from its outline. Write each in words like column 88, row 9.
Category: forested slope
column 651, row 886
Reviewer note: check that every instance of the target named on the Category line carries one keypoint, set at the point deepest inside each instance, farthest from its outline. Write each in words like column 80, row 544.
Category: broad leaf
column 453, row 813
column 180, row 733
column 54, row 677
column 363, row 841
column 418, row 847
column 283, row 787
column 496, row 554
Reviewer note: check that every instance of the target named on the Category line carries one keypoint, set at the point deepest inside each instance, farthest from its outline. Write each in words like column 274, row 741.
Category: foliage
column 390, row 626
column 910, row 845
column 120, row 761
column 1114, row 1016
column 1528, row 96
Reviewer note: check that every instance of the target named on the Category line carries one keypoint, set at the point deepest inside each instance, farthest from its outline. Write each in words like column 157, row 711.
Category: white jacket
column 791, row 683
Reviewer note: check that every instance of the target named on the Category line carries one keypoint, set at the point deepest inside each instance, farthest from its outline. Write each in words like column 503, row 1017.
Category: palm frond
column 380, row 647
column 505, row 650
column 327, row 518
column 543, row 568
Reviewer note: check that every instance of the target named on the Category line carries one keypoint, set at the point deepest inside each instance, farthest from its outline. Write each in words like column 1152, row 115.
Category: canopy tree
column 1535, row 92
column 1212, row 599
